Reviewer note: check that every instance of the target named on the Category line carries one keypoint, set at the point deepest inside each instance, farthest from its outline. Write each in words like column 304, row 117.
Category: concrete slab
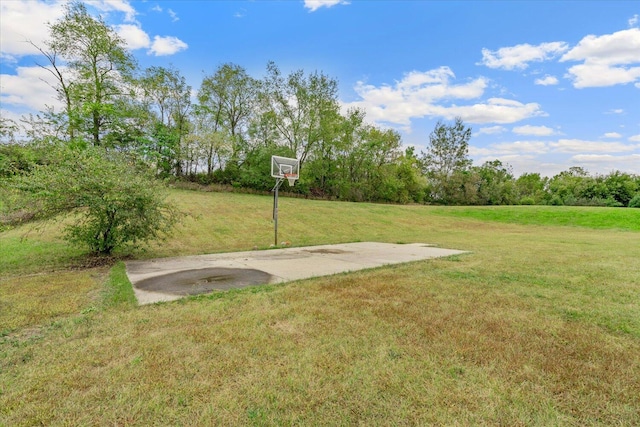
column 279, row 265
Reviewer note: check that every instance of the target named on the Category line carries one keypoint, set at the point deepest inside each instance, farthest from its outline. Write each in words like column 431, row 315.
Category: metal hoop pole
column 275, row 208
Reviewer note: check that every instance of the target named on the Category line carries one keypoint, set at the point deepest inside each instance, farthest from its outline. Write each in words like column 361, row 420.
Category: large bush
column 113, row 203
column 635, row 202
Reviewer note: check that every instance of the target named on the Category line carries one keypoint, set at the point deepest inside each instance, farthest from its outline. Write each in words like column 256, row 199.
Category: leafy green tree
column 109, row 202
column 167, row 98
column 378, row 155
column 326, row 171
column 226, row 105
column 362, row 166
column 296, row 106
column 211, row 148
column 447, row 154
column 496, row 184
column 532, row 186
column 572, row 187
column 620, row 187
column 96, row 79
column 408, row 172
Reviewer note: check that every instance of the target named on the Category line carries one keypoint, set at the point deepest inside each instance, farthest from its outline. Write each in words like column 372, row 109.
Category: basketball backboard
column 285, row 167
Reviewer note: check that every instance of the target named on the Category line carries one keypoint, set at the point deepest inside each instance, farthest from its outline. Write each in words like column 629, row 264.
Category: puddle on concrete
column 200, row 281
column 326, row 251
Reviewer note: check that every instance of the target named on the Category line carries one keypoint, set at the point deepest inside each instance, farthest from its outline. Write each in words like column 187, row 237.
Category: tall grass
column 539, row 325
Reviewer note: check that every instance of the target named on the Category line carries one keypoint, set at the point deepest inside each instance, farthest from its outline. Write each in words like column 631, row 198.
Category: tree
column 496, row 185
column 112, row 203
column 8, row 130
column 621, row 188
column 531, row 188
column 98, row 68
column 296, row 105
column 446, row 155
column 572, row 187
column 226, row 103
column 325, row 168
column 167, row 97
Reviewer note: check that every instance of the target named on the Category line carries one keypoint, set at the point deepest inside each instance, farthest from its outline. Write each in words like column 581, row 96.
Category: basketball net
column 291, row 177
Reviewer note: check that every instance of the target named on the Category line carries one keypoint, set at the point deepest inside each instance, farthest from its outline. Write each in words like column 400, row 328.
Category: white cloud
column 522, row 156
column 510, row 148
column 547, row 81
column 608, row 60
column 156, row 8
column 519, row 56
column 526, row 163
column 173, row 15
column 137, row 38
column 550, row 158
column 491, row 130
column 581, row 146
column 601, row 75
column 536, row 147
column 634, row 138
column 314, row 5
column 605, row 163
column 28, row 88
column 430, row 93
column 122, row 6
column 533, row 130
column 612, row 135
column 615, row 111
column 617, row 48
column 633, row 21
column 134, row 36
column 495, row 110
column 24, row 21
column 166, row 45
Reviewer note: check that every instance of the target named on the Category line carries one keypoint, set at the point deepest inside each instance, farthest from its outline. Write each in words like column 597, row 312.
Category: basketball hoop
column 281, row 168
column 291, row 177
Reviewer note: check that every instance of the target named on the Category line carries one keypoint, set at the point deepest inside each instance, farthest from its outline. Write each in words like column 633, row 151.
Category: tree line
column 227, row 133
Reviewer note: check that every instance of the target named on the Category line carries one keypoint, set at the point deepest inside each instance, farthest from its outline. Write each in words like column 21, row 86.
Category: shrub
column 612, row 203
column 114, row 203
column 527, row 201
column 556, row 200
column 635, row 202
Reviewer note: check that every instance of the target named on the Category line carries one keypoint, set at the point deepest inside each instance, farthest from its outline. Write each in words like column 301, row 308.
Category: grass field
column 539, row 325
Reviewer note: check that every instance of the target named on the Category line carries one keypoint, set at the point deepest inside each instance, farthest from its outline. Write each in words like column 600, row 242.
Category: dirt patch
column 200, row 281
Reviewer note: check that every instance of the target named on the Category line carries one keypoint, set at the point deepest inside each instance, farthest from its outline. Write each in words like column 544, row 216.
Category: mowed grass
column 600, row 218
column 539, row 325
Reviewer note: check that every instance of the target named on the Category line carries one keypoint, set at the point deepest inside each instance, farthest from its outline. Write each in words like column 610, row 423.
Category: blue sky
column 545, row 85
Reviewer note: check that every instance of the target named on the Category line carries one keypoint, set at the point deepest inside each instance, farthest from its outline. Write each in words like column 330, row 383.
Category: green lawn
column 599, row 218
column 539, row 325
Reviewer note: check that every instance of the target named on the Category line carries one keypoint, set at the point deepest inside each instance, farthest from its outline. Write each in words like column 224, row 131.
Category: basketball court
column 169, row 279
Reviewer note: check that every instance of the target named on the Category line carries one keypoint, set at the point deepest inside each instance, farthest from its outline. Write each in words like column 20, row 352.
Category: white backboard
column 284, row 167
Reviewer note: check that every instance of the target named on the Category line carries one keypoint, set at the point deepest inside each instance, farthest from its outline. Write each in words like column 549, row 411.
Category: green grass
column 598, row 218
column 117, row 288
column 539, row 325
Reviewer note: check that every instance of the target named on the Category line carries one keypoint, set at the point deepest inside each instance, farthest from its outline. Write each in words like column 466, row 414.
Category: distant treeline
column 238, row 122
column 400, row 180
